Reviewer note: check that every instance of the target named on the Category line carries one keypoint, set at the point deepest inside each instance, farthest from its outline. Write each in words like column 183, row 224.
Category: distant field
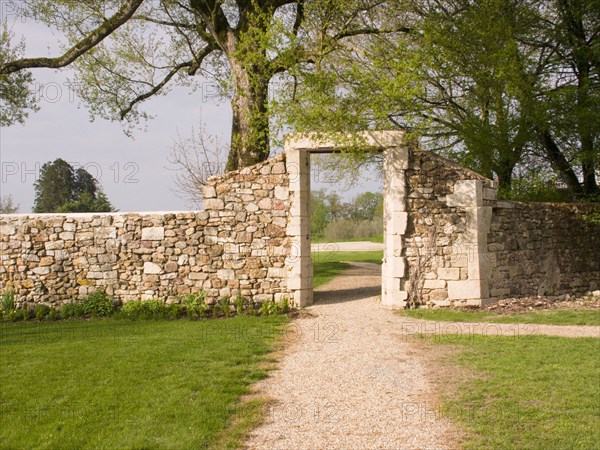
column 319, row 240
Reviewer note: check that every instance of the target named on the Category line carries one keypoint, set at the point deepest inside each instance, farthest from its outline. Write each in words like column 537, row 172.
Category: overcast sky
column 134, row 173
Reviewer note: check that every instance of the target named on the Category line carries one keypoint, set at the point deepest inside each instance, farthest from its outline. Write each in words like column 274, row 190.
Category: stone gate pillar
column 395, row 219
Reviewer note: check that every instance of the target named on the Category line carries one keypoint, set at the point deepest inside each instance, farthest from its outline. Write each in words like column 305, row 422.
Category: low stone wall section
column 236, row 246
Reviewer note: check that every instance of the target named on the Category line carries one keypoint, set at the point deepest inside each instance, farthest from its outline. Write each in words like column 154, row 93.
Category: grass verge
column 328, row 264
column 583, row 316
column 124, row 384
column 529, row 392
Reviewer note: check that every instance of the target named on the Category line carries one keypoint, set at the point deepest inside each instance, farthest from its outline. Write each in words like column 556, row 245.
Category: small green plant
column 239, row 305
column 8, row 301
column 98, row 304
column 195, row 304
column 269, row 308
column 53, row 315
column 71, row 310
column 224, row 306
column 22, row 314
column 152, row 309
column 40, row 311
column 132, row 308
column 285, row 305
column 593, row 217
column 174, row 311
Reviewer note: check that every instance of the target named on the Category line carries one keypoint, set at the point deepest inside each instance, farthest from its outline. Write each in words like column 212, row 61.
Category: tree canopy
column 502, row 86
column 126, row 51
column 61, row 188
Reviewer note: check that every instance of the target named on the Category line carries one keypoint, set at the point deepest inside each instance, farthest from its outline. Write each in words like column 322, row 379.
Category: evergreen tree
column 62, row 189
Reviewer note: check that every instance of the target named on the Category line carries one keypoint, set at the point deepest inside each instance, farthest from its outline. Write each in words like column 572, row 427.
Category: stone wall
column 463, row 246
column 237, row 245
column 447, row 239
column 543, row 249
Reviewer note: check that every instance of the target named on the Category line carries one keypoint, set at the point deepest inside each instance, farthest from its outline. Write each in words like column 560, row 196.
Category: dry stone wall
column 237, row 245
column 439, row 240
column 544, row 249
column 463, row 246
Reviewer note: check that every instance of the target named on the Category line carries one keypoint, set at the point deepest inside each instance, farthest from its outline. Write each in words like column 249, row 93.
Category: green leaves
column 62, row 189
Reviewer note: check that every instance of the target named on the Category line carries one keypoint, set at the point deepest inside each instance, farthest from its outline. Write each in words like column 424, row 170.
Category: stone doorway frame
column 395, row 162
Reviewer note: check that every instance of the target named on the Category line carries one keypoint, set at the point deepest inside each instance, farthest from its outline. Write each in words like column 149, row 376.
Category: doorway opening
column 395, row 162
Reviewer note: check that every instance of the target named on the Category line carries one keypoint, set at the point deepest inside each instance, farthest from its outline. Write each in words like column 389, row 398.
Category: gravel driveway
column 348, row 380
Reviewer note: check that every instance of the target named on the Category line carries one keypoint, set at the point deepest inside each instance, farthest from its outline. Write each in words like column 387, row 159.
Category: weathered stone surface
column 447, row 239
column 151, row 268
column 153, row 234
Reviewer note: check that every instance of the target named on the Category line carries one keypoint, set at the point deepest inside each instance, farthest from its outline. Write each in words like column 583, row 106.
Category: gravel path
column 352, row 376
column 348, row 380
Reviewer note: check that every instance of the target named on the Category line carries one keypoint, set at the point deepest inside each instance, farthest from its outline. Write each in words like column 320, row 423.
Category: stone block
column 434, row 284
column 448, row 273
column 214, row 204
column 282, row 193
column 226, row 274
column 467, row 193
column 54, row 245
column 299, row 283
column 7, row 230
column 151, row 268
column 466, row 289
column 153, row 234
column 209, row 192
column 41, row 270
column 277, row 272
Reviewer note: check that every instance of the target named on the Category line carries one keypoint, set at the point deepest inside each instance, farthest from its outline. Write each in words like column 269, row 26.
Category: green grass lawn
column 321, row 240
column 552, row 317
column 132, row 384
column 328, row 264
column 533, row 392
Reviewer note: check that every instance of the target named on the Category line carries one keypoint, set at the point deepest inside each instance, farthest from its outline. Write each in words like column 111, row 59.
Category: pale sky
column 134, row 173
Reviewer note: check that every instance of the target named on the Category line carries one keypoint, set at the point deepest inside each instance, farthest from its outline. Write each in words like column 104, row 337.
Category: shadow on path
column 365, row 275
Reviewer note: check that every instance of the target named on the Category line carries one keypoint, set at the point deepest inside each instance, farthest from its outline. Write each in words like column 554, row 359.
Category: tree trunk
column 504, row 170
column 588, row 166
column 560, row 163
column 250, row 121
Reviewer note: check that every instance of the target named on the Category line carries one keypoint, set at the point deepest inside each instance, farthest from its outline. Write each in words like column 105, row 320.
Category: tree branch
column 87, row 43
column 192, row 66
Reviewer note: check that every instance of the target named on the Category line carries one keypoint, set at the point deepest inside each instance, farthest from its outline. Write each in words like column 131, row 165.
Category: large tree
column 126, row 51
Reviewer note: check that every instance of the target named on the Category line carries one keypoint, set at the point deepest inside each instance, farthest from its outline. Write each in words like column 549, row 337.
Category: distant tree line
column 333, row 219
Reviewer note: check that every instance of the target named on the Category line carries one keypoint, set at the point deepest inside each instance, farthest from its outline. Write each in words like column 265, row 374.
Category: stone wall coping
column 477, row 176
column 96, row 214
